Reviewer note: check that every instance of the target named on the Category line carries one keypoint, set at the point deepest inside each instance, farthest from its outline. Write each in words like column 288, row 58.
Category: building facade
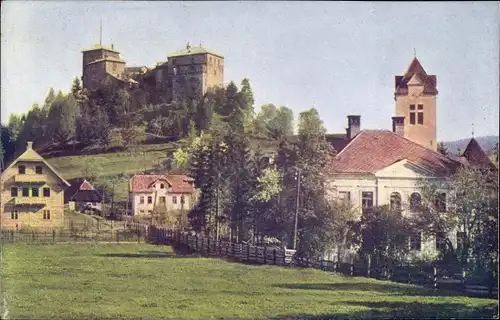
column 151, row 193
column 384, row 167
column 32, row 193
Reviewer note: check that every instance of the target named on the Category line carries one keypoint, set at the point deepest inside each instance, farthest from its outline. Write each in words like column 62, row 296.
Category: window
column 22, row 169
column 150, row 211
column 141, row 211
column 14, row 214
column 415, row 200
column 440, row 241
column 46, row 192
column 182, row 200
column 420, row 107
column 162, row 200
column 367, row 200
column 13, row 192
column 420, row 114
column 440, row 202
column 34, row 192
column 150, row 199
column 46, row 214
column 141, row 200
column 38, row 170
column 345, row 197
column 395, row 201
column 26, row 192
column 460, row 240
column 412, row 114
column 114, row 66
column 416, row 241
column 174, row 199
column 162, row 186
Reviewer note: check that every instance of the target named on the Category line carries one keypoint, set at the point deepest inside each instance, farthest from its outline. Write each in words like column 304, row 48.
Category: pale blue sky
column 340, row 56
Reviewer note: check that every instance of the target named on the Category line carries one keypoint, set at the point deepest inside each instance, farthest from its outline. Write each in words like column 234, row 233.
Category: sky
column 339, row 57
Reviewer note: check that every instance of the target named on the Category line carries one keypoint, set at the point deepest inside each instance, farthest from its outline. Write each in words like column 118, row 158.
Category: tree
column 76, row 88
column 91, row 171
column 15, row 125
column 274, row 123
column 466, row 203
column 441, row 148
column 313, row 154
column 134, row 135
column 62, row 119
column 7, row 146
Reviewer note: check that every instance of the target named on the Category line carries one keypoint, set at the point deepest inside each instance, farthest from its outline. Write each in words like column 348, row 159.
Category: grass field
column 85, row 281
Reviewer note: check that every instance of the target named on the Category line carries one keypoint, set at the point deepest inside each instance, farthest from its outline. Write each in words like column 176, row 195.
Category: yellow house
column 32, row 193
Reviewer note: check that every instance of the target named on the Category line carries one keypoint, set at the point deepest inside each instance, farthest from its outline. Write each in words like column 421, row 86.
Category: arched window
column 395, row 201
column 415, row 200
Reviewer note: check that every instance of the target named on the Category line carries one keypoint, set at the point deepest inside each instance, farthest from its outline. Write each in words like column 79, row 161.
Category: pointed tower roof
column 416, row 69
column 476, row 156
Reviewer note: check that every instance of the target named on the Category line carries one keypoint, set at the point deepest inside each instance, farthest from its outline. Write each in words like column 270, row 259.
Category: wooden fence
column 125, row 233
column 428, row 276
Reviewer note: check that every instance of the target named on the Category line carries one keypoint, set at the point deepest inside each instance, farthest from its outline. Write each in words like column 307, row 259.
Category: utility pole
column 217, row 208
column 298, row 172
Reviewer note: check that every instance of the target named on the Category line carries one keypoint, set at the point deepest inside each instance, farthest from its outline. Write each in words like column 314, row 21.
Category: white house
column 150, row 192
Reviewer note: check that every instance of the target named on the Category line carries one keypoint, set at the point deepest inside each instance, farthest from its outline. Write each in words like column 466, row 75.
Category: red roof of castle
column 178, row 183
column 373, row 150
column 430, row 81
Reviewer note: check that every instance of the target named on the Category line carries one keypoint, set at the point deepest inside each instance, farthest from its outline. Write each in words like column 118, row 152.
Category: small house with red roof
column 82, row 197
column 151, row 192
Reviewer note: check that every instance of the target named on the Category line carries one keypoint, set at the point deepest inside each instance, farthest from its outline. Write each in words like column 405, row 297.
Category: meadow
column 105, row 281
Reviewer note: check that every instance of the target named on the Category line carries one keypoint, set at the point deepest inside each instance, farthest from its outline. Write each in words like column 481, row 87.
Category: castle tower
column 101, row 63
column 192, row 71
column 415, row 95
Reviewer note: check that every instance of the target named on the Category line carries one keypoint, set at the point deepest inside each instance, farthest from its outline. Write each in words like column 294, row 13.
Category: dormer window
column 162, row 186
column 38, row 170
column 22, row 169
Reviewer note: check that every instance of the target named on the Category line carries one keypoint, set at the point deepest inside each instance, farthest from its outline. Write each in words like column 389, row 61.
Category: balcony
column 30, row 201
column 30, row 178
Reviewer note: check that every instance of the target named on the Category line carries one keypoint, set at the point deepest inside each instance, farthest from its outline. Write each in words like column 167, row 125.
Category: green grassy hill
column 135, row 159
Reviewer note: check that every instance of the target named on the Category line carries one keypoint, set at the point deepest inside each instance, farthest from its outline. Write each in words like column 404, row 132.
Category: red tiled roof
column 373, row 150
column 430, row 81
column 143, row 182
column 86, row 186
column 476, row 156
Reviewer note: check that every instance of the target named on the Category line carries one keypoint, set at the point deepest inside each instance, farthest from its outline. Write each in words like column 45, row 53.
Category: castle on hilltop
column 187, row 73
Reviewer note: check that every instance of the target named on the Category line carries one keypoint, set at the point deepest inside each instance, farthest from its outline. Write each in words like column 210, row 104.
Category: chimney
column 113, row 46
column 354, row 126
column 398, row 125
column 29, row 145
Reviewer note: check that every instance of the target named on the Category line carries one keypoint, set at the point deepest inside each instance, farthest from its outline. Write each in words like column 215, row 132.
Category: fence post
column 53, row 235
column 208, row 245
column 220, row 247
column 117, row 236
column 435, row 277
column 265, row 253
column 274, row 256
column 369, row 265
column 351, row 271
column 335, row 266
column 248, row 251
column 33, row 235
column 463, row 279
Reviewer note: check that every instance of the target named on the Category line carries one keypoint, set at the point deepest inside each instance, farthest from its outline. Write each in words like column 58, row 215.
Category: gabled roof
column 373, row 150
column 193, row 50
column 81, row 191
column 32, row 155
column 143, row 183
column 476, row 156
column 415, row 68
